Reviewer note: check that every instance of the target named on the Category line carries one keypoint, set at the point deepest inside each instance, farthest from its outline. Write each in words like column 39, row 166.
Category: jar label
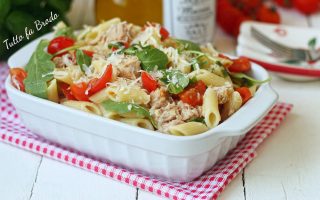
column 190, row 19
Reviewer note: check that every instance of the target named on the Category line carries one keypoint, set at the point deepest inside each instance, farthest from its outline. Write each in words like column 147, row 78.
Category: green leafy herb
column 123, row 108
column 199, row 119
column 65, row 31
column 152, row 58
column 116, row 45
column 185, row 45
column 312, row 43
column 40, row 71
column 175, row 80
column 245, row 80
column 83, row 60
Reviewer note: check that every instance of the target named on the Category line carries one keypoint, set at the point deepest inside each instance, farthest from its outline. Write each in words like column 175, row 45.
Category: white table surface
column 287, row 166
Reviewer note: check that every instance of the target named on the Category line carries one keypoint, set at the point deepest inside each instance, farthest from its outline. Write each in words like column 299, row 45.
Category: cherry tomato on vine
column 284, row 3
column 268, row 14
column 60, row 43
column 306, row 6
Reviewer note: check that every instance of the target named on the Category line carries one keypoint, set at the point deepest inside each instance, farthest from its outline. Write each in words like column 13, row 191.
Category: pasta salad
column 139, row 76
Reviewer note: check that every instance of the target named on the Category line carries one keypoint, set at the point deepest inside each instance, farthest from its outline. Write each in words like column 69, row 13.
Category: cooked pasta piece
column 210, row 79
column 187, row 129
column 142, row 123
column 63, row 75
column 133, row 94
column 53, row 91
column 231, row 106
column 100, row 96
column 84, row 106
column 109, row 114
column 210, row 108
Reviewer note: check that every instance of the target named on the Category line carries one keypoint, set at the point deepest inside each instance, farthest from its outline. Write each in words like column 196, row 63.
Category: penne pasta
column 53, row 91
column 109, row 114
column 231, row 106
column 187, row 129
column 142, row 123
column 210, row 79
column 100, row 96
column 84, row 106
column 210, row 108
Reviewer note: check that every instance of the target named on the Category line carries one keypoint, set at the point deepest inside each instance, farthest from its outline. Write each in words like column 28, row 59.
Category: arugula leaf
column 83, row 60
column 40, row 71
column 185, row 45
column 245, row 80
column 199, row 119
column 175, row 80
column 312, row 43
column 152, row 58
column 123, row 107
column 65, row 31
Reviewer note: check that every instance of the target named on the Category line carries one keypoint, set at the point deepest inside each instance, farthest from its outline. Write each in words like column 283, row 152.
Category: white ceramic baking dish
column 173, row 158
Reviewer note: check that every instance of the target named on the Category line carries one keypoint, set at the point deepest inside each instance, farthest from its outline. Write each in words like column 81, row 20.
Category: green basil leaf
column 199, row 119
column 185, row 45
column 83, row 60
column 175, row 80
column 40, row 71
column 312, row 43
column 117, row 45
column 123, row 108
column 245, row 80
column 152, row 58
column 65, row 31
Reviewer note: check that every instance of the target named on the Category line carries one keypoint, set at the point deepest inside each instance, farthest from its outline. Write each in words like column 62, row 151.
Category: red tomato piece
column 17, row 77
column 306, row 6
column 79, row 91
column 240, row 65
column 148, row 82
column 164, row 33
column 66, row 90
column 88, row 53
column 193, row 95
column 244, row 93
column 97, row 84
column 268, row 14
column 60, row 43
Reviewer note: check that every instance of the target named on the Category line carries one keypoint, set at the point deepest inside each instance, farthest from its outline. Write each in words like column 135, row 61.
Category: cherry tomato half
column 164, row 33
column 79, row 91
column 60, row 43
column 17, row 77
column 97, row 84
column 244, row 93
column 88, row 53
column 193, row 95
column 148, row 82
column 240, row 65
column 66, row 90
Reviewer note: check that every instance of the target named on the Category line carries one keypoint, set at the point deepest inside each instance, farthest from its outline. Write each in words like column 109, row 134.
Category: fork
column 293, row 54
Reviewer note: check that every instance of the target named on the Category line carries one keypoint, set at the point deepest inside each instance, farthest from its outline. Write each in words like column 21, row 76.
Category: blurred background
column 15, row 15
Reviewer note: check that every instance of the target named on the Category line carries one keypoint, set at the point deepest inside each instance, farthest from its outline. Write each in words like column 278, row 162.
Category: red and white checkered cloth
column 208, row 186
